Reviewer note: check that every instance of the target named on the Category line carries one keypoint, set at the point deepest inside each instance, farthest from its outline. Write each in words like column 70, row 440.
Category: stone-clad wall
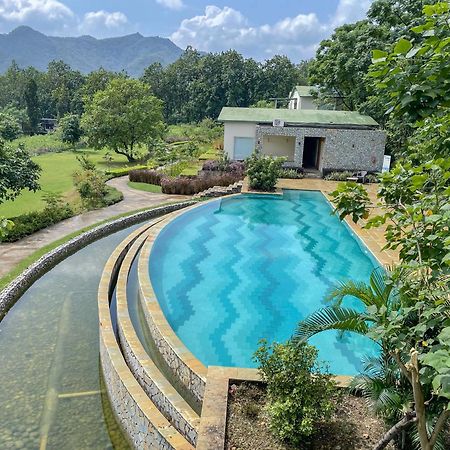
column 142, row 422
column 183, row 364
column 154, row 383
column 136, row 424
column 343, row 148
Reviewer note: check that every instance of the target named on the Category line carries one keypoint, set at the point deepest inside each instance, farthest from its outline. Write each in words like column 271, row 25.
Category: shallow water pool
column 239, row 269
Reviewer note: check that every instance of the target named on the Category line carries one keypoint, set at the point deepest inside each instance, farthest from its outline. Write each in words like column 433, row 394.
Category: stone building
column 317, row 140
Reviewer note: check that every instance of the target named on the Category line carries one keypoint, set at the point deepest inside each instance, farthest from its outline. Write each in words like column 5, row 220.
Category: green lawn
column 145, row 187
column 56, row 176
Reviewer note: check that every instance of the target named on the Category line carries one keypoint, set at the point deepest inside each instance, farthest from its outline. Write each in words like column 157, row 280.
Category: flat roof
column 296, row 116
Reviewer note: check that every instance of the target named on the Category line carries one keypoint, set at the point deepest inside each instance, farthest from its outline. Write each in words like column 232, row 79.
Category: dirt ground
column 352, row 427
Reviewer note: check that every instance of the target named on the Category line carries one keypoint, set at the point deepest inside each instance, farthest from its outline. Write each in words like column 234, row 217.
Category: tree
column 413, row 78
column 64, row 85
column 10, row 127
column 70, row 129
column 343, row 60
column 32, row 104
column 97, row 81
column 17, row 172
column 122, row 117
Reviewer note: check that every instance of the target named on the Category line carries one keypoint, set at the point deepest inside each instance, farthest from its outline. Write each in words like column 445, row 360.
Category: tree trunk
column 419, row 401
column 396, row 429
column 128, row 156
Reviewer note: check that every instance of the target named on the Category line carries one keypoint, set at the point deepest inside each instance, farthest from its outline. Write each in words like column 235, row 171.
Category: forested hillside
column 130, row 53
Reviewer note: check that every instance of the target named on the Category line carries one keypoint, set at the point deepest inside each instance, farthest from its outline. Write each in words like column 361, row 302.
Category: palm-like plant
column 378, row 299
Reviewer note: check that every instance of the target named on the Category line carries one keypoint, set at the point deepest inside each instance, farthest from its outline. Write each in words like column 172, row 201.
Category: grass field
column 59, row 164
column 145, row 187
column 56, row 176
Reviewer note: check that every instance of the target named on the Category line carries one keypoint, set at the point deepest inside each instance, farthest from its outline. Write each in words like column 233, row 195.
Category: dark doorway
column 311, row 152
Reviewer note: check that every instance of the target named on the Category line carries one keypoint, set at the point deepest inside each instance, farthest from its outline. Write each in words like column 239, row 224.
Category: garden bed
column 352, row 426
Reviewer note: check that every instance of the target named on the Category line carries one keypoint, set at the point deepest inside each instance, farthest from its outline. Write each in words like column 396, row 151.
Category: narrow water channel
column 51, row 394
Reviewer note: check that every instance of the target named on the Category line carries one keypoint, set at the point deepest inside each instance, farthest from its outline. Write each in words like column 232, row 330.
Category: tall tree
column 32, row 105
column 123, row 116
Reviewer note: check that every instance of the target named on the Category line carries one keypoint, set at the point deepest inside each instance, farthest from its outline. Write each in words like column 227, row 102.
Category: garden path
column 12, row 253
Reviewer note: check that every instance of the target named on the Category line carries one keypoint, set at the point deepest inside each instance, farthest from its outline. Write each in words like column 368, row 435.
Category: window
column 243, row 147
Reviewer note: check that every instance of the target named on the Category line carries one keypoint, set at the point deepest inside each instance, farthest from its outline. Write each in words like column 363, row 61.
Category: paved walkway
column 12, row 254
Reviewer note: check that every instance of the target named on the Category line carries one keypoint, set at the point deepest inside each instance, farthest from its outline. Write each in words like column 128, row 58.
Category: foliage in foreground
column 299, row 391
column 263, row 171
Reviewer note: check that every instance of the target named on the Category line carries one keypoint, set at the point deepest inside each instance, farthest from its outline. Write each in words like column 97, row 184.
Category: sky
column 256, row 28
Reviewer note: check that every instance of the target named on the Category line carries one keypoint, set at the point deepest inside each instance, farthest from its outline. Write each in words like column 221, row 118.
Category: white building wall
column 295, row 102
column 279, row 146
column 237, row 129
column 307, row 103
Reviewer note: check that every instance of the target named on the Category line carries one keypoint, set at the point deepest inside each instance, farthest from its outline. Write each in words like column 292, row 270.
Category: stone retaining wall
column 152, row 381
column 11, row 293
column 190, row 371
column 140, row 419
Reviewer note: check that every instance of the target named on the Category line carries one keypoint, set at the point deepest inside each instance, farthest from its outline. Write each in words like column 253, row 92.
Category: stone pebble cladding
column 11, row 293
column 142, row 422
column 183, row 364
column 154, row 383
column 344, row 149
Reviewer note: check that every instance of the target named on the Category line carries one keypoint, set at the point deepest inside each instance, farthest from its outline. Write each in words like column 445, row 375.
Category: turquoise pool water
column 239, row 269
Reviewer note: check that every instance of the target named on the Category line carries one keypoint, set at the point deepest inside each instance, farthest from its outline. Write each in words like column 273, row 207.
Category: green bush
column 299, row 391
column 122, row 171
column 263, row 171
column 112, row 196
column 54, row 211
column 90, row 184
column 291, row 174
column 339, row 176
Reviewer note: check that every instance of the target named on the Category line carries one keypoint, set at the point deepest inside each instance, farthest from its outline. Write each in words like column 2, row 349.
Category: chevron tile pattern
column 239, row 269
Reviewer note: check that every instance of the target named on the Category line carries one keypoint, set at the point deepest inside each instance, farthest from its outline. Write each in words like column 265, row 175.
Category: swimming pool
column 239, row 269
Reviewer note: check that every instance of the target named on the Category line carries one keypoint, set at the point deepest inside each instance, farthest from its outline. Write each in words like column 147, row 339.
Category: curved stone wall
column 190, row 371
column 19, row 285
column 141, row 420
column 152, row 381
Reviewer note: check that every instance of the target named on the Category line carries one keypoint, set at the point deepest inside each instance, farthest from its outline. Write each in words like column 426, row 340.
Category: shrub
column 299, row 392
column 221, row 166
column 146, row 176
column 26, row 224
column 90, row 184
column 290, row 174
column 339, row 176
column 122, row 171
column 263, row 171
column 112, row 196
column 372, row 178
column 191, row 186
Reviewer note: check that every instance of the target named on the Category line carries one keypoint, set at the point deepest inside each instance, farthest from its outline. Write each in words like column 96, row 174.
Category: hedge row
column 191, row 186
column 184, row 185
column 29, row 223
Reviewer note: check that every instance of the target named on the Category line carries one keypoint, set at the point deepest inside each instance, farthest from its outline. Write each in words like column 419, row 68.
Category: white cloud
column 350, row 11
column 171, row 4
column 102, row 23
column 223, row 28
column 44, row 14
column 54, row 17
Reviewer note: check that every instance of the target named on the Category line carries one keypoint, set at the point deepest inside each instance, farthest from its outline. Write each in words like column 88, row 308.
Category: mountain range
column 132, row 53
